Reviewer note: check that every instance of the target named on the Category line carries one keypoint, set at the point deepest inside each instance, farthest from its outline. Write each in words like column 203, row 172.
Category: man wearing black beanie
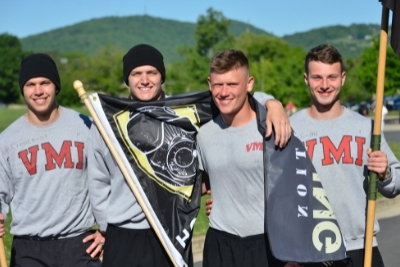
column 38, row 65
column 43, row 175
column 130, row 240
column 144, row 72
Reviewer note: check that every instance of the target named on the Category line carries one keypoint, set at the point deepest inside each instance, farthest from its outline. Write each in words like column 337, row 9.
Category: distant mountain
column 90, row 36
column 167, row 35
column 349, row 40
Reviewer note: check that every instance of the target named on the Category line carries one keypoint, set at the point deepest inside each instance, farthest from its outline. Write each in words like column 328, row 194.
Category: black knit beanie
column 141, row 55
column 38, row 65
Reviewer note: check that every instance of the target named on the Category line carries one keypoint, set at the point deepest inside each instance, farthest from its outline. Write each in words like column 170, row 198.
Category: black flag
column 395, row 39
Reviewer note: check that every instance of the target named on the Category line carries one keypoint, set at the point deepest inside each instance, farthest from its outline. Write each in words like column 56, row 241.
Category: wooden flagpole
column 3, row 258
column 376, row 137
column 84, row 96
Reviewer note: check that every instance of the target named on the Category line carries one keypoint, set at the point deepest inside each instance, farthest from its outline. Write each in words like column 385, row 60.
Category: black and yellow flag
column 157, row 144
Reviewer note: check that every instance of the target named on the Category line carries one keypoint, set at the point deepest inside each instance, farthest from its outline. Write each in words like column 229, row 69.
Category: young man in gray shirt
column 338, row 142
column 230, row 151
column 43, row 174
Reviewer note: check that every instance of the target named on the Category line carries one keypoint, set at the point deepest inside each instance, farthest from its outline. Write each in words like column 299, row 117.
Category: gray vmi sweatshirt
column 43, row 176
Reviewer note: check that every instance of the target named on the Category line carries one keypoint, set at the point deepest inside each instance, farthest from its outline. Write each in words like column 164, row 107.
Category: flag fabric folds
column 395, row 39
column 157, row 142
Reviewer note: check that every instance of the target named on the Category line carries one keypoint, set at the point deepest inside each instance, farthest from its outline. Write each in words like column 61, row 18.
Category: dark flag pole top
column 394, row 6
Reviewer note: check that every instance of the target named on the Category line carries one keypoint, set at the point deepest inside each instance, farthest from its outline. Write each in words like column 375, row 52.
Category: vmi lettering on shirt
column 341, row 153
column 254, row 146
column 62, row 159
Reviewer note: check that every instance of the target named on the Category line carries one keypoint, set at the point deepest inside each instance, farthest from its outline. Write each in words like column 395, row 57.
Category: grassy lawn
column 395, row 147
column 9, row 115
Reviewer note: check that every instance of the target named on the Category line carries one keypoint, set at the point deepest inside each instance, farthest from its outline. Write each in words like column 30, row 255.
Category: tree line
column 276, row 66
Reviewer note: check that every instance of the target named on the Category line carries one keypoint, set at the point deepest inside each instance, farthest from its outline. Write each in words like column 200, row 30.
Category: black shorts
column 224, row 249
column 63, row 252
column 130, row 247
column 355, row 258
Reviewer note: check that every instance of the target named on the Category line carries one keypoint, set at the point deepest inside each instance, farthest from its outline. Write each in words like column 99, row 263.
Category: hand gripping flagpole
column 85, row 98
column 376, row 137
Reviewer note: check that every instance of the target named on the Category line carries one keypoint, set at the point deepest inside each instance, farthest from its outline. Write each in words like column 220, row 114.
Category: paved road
column 392, row 129
column 389, row 241
column 392, row 136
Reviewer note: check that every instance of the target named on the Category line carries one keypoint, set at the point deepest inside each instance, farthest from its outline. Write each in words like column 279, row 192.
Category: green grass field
column 7, row 116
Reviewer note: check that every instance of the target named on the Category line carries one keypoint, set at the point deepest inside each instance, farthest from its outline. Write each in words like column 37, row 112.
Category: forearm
column 262, row 97
column 268, row 101
column 390, row 186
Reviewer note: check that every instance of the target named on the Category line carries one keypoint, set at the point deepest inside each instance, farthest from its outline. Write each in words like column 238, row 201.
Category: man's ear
column 343, row 77
column 209, row 82
column 305, row 76
column 250, row 84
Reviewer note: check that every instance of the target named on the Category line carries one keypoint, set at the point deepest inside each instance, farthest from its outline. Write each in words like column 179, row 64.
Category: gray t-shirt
column 233, row 159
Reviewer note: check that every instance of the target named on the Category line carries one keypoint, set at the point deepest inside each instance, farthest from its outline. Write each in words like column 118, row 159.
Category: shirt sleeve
column 6, row 186
column 99, row 178
column 390, row 187
column 262, row 97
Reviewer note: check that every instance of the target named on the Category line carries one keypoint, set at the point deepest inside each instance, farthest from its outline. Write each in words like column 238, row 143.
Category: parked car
column 391, row 101
column 396, row 105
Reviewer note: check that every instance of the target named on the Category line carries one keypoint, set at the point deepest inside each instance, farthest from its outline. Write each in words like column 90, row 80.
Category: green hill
column 167, row 35
column 350, row 40
column 124, row 32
